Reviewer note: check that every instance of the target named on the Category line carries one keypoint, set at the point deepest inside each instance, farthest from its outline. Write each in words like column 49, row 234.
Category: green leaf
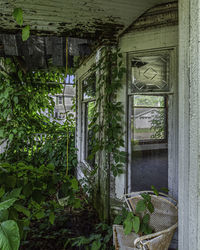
column 128, row 225
column 20, row 75
column 9, row 235
column 13, row 214
column 155, row 190
column 96, row 245
column 124, row 212
column 150, row 207
column 118, row 219
column 2, row 191
column 15, row 101
column 147, row 229
column 22, row 209
column 14, row 131
column 11, row 137
column 51, row 218
column 130, row 215
column 1, row 133
column 142, row 227
column 50, row 166
column 6, row 204
column 3, row 215
column 77, row 203
column 15, row 193
column 25, row 33
column 146, row 219
column 146, row 196
column 140, row 206
column 136, row 224
column 40, row 215
column 74, row 184
column 18, row 16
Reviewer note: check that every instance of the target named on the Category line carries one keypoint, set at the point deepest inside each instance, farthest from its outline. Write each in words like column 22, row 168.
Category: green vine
column 106, row 123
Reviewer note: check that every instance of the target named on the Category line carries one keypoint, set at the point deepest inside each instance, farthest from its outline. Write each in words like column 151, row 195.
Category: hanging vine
column 107, row 119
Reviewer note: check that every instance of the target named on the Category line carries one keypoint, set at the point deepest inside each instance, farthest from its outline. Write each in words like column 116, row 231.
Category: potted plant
column 150, row 223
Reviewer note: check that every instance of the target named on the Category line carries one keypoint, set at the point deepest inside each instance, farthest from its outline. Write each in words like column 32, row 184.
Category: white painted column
column 189, row 125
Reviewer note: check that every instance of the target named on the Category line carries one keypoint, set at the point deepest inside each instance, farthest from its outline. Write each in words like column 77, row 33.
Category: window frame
column 157, row 52
column 84, row 135
column 165, row 107
column 58, row 99
column 172, row 115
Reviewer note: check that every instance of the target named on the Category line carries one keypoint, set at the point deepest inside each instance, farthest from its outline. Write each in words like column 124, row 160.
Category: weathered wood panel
column 89, row 18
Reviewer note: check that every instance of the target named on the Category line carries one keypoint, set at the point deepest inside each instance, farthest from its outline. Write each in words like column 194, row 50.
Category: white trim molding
column 189, row 125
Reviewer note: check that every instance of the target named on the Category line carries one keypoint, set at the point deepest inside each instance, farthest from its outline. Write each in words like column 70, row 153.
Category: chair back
column 165, row 212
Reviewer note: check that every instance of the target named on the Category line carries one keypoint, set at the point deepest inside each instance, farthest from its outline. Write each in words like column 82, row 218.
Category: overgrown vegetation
column 36, row 163
column 107, row 113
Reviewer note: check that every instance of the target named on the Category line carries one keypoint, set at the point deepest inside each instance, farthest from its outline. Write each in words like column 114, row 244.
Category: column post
column 189, row 125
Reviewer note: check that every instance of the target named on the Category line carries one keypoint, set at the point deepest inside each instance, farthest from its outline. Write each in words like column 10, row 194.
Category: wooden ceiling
column 91, row 19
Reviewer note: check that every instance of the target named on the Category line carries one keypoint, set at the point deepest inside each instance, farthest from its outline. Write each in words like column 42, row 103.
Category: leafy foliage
column 33, row 166
column 38, row 190
column 108, row 136
column 138, row 220
column 100, row 239
column 38, row 167
column 68, row 225
column 26, row 107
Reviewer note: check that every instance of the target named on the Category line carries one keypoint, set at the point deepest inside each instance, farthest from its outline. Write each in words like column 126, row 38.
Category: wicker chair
column 163, row 221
